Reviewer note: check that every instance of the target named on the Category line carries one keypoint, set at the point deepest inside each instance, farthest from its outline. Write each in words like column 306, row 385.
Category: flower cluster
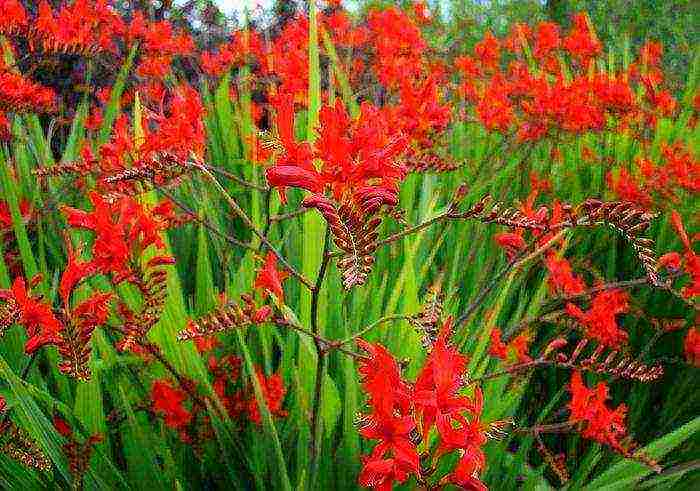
column 19, row 94
column 402, row 415
column 538, row 94
column 599, row 422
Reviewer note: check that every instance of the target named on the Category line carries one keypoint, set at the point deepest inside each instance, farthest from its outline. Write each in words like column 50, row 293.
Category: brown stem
column 321, row 352
column 371, row 326
column 287, row 216
column 249, row 223
column 234, row 177
column 208, row 225
column 184, row 384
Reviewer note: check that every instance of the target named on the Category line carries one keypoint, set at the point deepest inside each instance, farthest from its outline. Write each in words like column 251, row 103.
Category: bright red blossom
column 35, row 315
column 168, row 401
column 600, row 321
column 691, row 346
column 123, row 230
column 269, row 279
column 561, row 279
column 599, row 422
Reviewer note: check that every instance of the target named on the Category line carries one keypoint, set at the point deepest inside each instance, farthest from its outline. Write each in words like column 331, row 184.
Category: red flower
column 436, row 390
column 273, row 391
column 518, row 347
column 205, row 344
column 561, row 279
column 123, row 230
column 599, row 321
column 466, row 471
column 547, row 39
column 581, row 41
column 395, row 457
column 13, row 17
column 168, row 402
column 599, row 422
column 691, row 261
column 269, row 279
column 359, row 162
column 691, row 346
column 488, row 50
column 75, row 272
column 626, row 187
column 381, row 378
column 62, row 426
column 35, row 316
column 381, row 474
column 512, row 242
column 498, row 348
column 20, row 95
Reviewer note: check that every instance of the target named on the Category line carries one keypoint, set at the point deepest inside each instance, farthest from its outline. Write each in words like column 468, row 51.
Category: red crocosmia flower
column 512, row 242
column 671, row 261
column 626, row 187
column 5, row 134
column 13, row 17
column 488, row 50
column 599, row 422
column 467, row 66
column 599, row 321
column 399, row 46
column 518, row 347
column 581, row 41
column 381, row 378
column 62, row 426
column 381, row 474
column 273, row 390
column 390, row 422
column 436, row 390
column 651, row 53
column 21, row 95
column 547, row 39
column 437, row 402
column 35, row 316
column 168, row 402
column 269, row 279
column 75, row 272
column 262, row 314
column 282, row 176
column 562, row 279
column 691, row 261
column 205, row 344
column 421, row 12
column 358, row 158
column 466, row 471
column 90, row 313
column 498, row 348
column 180, row 129
column 123, row 230
column 691, row 346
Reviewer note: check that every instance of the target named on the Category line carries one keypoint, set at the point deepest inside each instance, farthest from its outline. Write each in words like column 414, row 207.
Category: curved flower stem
column 287, row 216
column 365, row 330
column 327, row 344
column 321, row 352
column 510, row 370
column 249, row 223
column 233, row 177
column 564, row 427
column 513, row 265
column 208, row 225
